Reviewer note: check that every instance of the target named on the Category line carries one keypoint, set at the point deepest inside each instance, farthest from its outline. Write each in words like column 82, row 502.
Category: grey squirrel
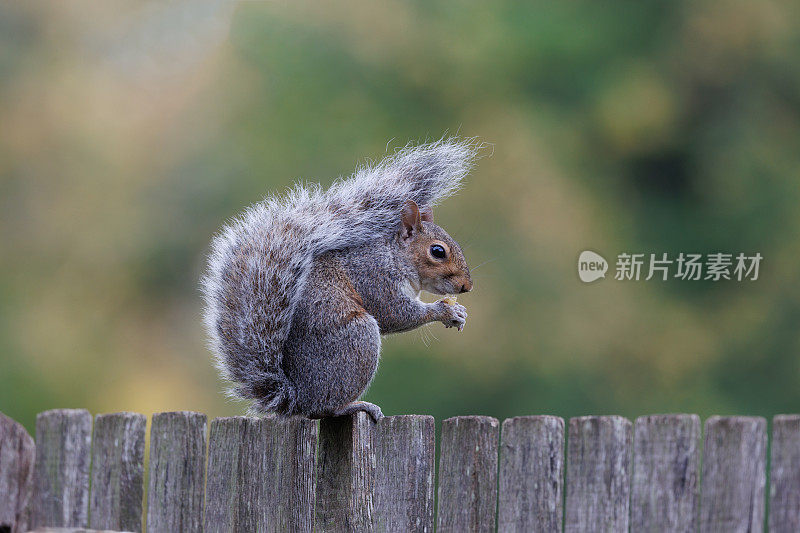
column 299, row 289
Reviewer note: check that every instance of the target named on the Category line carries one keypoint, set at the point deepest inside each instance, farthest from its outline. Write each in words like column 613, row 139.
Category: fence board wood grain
column 261, row 475
column 17, row 454
column 784, row 504
column 177, row 472
column 598, row 474
column 468, row 474
column 404, row 458
column 61, row 475
column 376, row 476
column 225, row 443
column 75, row 530
column 345, row 474
column 352, row 474
column 117, row 472
column 734, row 456
column 294, row 472
column 531, row 474
column 666, row 473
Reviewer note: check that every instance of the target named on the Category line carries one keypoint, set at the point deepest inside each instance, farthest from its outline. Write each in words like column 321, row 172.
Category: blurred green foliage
column 130, row 131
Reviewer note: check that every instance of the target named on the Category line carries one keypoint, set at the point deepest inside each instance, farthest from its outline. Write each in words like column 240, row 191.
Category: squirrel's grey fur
column 276, row 275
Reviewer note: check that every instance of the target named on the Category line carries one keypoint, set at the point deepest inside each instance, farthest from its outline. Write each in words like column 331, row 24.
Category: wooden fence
column 350, row 474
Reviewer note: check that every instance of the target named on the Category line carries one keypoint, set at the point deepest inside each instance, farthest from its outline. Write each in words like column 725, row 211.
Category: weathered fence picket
column 177, row 472
column 734, row 475
column 404, row 472
column 61, row 474
column 468, row 474
column 784, row 500
column 117, row 472
column 352, row 474
column 226, row 473
column 666, row 472
column 531, row 474
column 376, row 477
column 598, row 474
column 345, row 474
column 17, row 453
column 261, row 475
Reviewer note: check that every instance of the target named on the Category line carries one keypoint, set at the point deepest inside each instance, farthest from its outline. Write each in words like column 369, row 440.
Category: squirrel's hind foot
column 370, row 408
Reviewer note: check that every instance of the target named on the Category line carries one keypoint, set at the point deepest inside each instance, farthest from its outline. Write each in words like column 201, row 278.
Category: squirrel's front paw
column 452, row 314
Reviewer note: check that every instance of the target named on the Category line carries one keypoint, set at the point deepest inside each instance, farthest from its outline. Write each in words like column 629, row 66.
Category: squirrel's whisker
column 473, row 269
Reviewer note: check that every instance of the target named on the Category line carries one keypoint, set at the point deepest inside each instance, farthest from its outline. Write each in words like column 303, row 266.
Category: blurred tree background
column 130, row 131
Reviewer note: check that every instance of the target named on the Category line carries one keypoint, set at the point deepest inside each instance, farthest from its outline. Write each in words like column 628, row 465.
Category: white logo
column 591, row 266
column 714, row 266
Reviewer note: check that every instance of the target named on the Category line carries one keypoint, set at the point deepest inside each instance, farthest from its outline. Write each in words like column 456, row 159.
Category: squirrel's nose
column 466, row 287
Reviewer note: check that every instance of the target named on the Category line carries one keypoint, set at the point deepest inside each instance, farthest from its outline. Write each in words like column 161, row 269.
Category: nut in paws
column 453, row 315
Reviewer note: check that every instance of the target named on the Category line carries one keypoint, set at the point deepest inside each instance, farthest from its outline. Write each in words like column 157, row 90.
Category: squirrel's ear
column 426, row 214
column 411, row 220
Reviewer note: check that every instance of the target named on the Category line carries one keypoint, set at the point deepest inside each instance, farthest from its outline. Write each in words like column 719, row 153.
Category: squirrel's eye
column 438, row 252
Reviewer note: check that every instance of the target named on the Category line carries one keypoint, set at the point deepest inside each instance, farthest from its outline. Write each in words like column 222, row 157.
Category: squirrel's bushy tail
column 260, row 261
